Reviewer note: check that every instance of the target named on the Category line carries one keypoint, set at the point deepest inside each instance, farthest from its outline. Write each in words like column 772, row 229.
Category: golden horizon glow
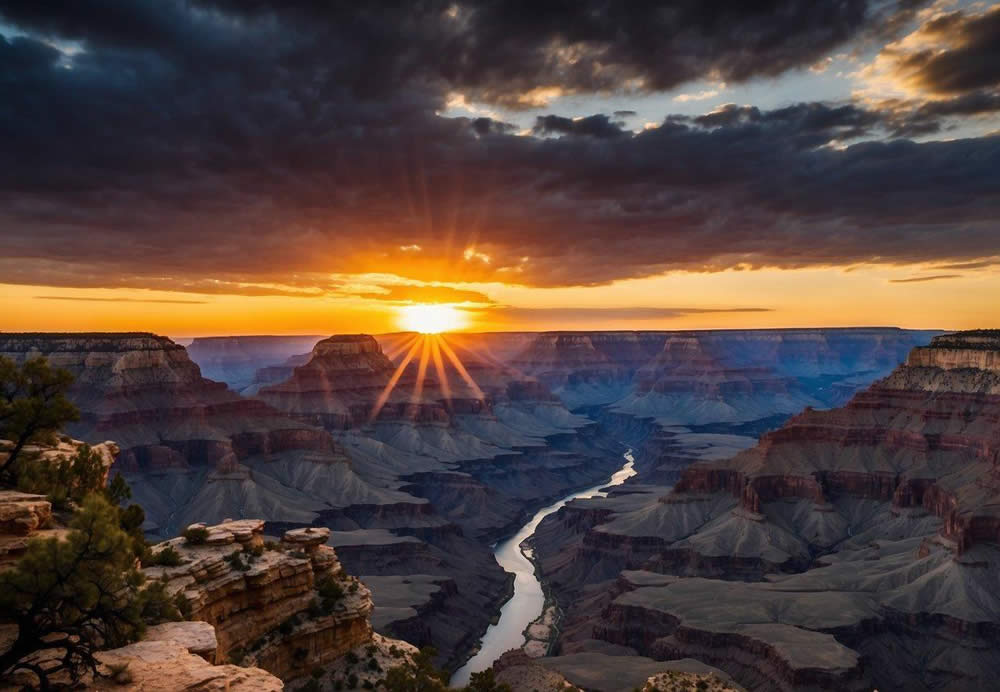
column 825, row 297
column 430, row 318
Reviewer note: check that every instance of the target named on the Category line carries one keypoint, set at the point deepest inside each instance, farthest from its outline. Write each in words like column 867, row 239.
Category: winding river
column 528, row 600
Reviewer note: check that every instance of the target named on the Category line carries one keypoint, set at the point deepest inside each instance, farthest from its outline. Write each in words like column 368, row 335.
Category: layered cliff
column 286, row 607
column 858, row 531
column 191, row 448
column 145, row 392
column 700, row 377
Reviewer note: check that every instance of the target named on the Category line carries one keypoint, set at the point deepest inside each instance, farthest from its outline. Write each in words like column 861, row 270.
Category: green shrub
column 120, row 673
column 165, row 557
column 235, row 560
column 196, row 535
column 352, row 682
column 330, row 594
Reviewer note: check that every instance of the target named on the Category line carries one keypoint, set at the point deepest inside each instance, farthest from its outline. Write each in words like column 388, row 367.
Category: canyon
column 415, row 481
column 851, row 548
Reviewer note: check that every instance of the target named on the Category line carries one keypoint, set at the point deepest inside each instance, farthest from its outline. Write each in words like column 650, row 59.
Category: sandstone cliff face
column 843, row 536
column 267, row 606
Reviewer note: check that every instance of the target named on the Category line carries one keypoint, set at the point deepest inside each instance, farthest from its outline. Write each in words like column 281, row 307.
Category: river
column 528, row 600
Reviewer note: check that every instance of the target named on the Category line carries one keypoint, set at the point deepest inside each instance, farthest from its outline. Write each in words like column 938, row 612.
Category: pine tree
column 73, row 597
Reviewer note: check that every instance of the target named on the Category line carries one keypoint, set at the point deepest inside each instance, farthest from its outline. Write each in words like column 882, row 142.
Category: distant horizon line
column 470, row 331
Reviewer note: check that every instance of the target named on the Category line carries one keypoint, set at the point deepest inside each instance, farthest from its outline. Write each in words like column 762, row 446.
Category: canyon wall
column 851, row 548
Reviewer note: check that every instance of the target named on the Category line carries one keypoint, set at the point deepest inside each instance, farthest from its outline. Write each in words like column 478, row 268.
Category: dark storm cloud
column 971, row 59
column 499, row 51
column 255, row 149
column 591, row 126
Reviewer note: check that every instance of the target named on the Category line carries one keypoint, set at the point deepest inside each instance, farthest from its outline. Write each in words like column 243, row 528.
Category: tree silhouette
column 33, row 405
column 75, row 596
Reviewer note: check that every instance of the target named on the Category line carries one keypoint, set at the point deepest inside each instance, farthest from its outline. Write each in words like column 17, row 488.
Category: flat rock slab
column 197, row 637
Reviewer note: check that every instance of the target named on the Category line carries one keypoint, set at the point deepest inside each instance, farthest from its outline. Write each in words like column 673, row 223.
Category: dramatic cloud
column 949, row 65
column 922, row 279
column 591, row 126
column 953, row 53
column 255, row 148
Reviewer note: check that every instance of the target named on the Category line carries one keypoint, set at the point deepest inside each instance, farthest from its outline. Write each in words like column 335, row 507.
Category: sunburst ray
column 461, row 369
column 384, row 396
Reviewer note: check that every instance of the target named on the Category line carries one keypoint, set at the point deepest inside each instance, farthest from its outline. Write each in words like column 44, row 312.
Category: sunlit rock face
column 339, row 384
column 259, row 606
column 851, row 548
column 247, row 603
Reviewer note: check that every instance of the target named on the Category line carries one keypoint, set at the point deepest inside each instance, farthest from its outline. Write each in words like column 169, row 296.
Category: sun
column 431, row 319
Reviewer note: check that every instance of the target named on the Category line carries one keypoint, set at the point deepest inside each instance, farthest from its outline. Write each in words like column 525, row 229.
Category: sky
column 198, row 167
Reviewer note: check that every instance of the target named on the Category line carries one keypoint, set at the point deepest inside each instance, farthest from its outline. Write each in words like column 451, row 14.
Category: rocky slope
column 851, row 548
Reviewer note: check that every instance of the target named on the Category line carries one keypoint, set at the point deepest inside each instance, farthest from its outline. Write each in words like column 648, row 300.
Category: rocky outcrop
column 167, row 660
column 288, row 608
column 24, row 516
column 266, row 604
